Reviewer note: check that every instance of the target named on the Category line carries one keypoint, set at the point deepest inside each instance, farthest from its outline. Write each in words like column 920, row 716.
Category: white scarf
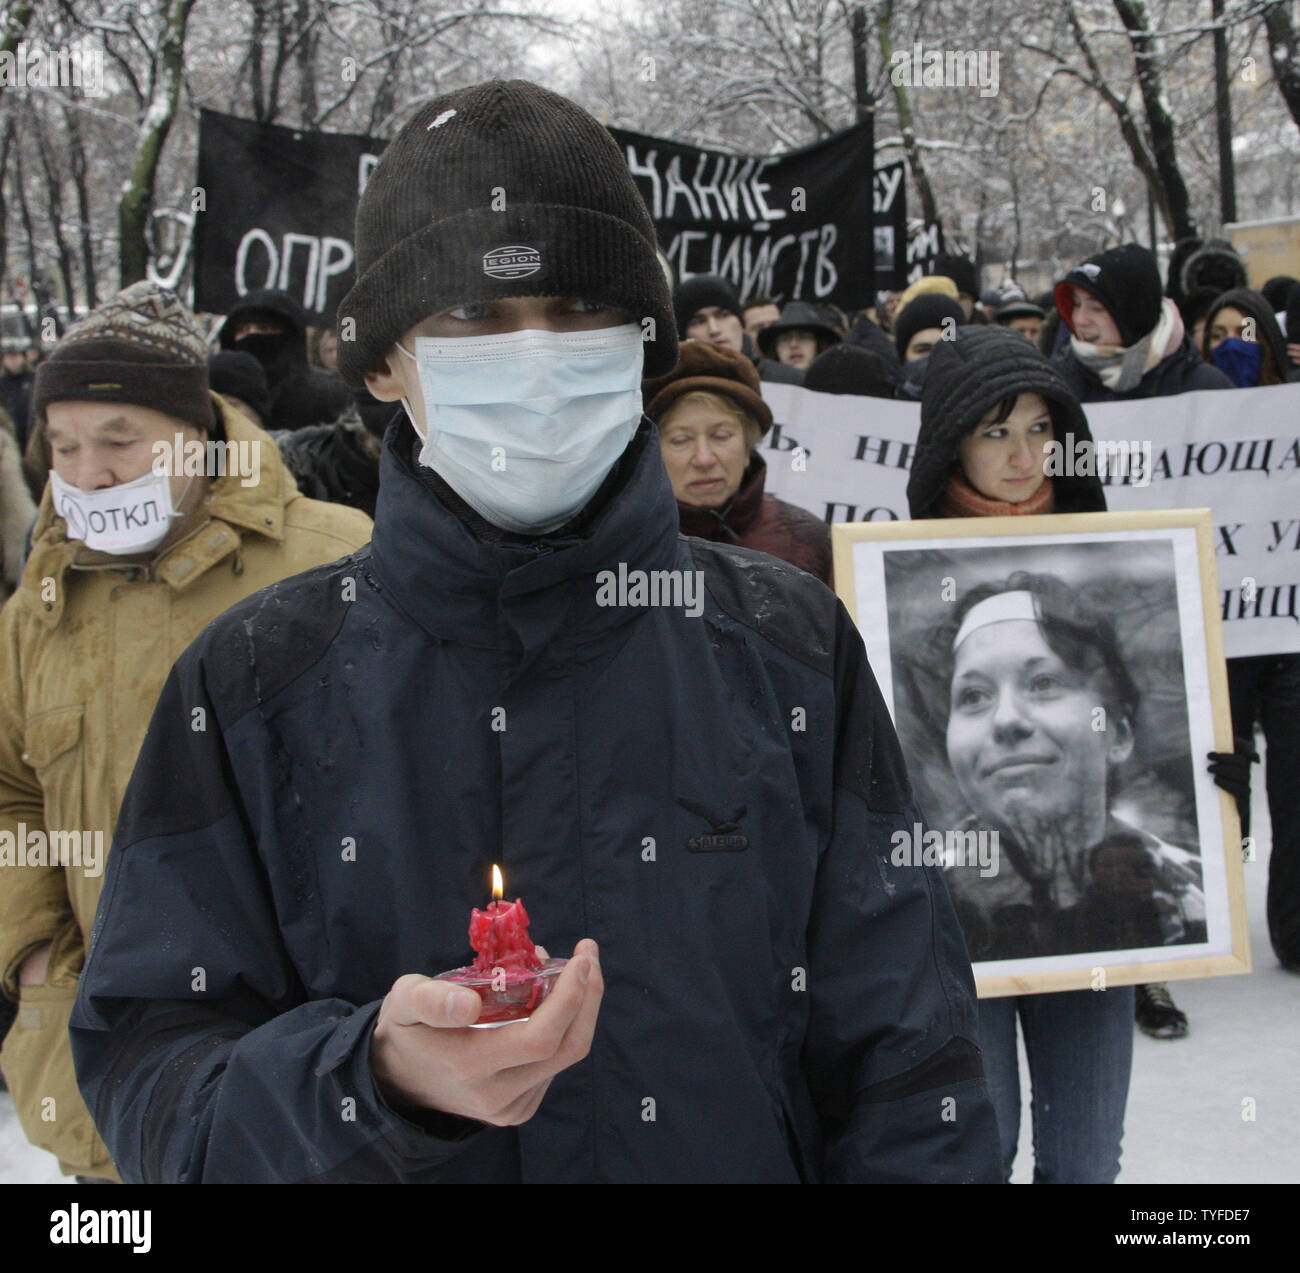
column 1121, row 368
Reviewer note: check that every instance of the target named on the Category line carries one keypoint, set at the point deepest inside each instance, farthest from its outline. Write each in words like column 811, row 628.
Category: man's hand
column 1293, row 353
column 32, row 970
column 422, row 1055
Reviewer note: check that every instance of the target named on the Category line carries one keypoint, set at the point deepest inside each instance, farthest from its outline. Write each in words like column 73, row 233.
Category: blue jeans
column 1080, row 1049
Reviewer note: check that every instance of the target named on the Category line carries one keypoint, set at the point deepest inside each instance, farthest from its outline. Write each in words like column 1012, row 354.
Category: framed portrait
column 1056, row 683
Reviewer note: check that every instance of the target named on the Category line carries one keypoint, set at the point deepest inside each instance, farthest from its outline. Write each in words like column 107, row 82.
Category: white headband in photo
column 999, row 608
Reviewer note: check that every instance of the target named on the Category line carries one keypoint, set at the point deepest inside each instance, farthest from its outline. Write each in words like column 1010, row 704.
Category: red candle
column 506, row 973
column 499, row 935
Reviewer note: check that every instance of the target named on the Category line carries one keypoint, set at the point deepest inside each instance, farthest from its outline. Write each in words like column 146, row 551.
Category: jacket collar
column 214, row 531
column 463, row 580
column 730, row 522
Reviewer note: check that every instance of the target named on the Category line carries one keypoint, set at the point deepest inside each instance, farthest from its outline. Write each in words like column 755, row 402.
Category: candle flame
column 498, row 888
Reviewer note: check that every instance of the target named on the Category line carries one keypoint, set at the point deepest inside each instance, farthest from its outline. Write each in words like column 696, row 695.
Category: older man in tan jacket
column 165, row 506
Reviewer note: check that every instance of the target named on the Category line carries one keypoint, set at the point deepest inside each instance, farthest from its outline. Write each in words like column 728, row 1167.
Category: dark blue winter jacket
column 328, row 778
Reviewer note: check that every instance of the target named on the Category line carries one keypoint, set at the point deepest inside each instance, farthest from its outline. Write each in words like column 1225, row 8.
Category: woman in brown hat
column 711, row 420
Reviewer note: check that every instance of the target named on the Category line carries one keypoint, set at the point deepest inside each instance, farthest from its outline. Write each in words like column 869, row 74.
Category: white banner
column 1235, row 452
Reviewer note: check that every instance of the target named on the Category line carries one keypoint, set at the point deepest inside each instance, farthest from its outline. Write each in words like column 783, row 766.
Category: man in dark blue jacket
column 672, row 747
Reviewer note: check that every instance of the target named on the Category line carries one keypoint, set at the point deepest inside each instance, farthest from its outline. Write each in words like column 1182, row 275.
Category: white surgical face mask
column 525, row 426
column 131, row 518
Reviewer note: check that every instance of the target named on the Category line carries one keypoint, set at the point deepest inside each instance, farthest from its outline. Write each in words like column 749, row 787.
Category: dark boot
column 1157, row 1014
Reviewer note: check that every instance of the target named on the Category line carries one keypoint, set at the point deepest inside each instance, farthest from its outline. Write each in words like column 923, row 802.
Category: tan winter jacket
column 84, row 652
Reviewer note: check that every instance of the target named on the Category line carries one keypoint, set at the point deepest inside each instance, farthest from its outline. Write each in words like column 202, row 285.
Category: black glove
column 1231, row 771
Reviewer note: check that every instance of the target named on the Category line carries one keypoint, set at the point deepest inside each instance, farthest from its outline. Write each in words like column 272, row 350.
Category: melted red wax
column 500, row 939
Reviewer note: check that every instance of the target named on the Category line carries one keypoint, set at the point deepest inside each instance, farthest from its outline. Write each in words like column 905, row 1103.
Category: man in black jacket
column 272, row 326
column 701, row 777
column 1126, row 339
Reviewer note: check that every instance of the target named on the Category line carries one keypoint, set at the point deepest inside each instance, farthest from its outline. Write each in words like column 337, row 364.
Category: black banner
column 796, row 226
column 890, row 205
column 278, row 207
column 278, row 211
column 924, row 244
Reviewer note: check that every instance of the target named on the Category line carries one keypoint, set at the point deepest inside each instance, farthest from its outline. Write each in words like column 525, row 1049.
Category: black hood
column 1253, row 305
column 967, row 377
column 1179, row 257
column 1214, row 264
column 267, row 301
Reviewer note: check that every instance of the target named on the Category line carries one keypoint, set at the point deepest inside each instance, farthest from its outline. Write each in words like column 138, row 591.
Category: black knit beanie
column 500, row 189
column 929, row 309
column 961, row 269
column 852, row 369
column 1126, row 280
column 701, row 291
column 142, row 347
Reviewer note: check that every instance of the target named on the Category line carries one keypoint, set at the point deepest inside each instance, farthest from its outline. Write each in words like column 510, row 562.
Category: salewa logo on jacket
column 723, row 838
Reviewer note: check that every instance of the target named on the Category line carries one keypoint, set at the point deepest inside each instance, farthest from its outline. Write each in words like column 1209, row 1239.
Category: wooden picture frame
column 1037, row 920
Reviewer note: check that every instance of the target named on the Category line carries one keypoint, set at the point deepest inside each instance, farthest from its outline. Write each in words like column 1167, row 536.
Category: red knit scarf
column 961, row 499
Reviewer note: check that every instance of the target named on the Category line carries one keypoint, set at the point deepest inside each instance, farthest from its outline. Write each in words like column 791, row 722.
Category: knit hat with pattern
column 141, row 347
column 500, row 189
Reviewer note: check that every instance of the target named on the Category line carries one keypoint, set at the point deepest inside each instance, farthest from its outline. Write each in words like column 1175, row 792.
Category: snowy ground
column 1184, row 1119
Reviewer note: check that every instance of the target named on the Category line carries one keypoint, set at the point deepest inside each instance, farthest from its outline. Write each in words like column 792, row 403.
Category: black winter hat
column 266, row 302
column 927, row 310
column 1275, row 290
column 797, row 316
column 1126, row 280
column 703, row 291
column 1214, row 264
column 961, row 269
column 966, row 379
column 500, row 189
column 1017, row 309
column 852, row 369
column 239, row 375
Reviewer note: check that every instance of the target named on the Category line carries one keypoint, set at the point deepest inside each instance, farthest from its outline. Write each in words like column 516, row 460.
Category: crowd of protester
column 995, row 372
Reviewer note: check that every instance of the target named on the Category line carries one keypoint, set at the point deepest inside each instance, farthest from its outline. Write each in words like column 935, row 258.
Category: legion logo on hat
column 515, row 261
